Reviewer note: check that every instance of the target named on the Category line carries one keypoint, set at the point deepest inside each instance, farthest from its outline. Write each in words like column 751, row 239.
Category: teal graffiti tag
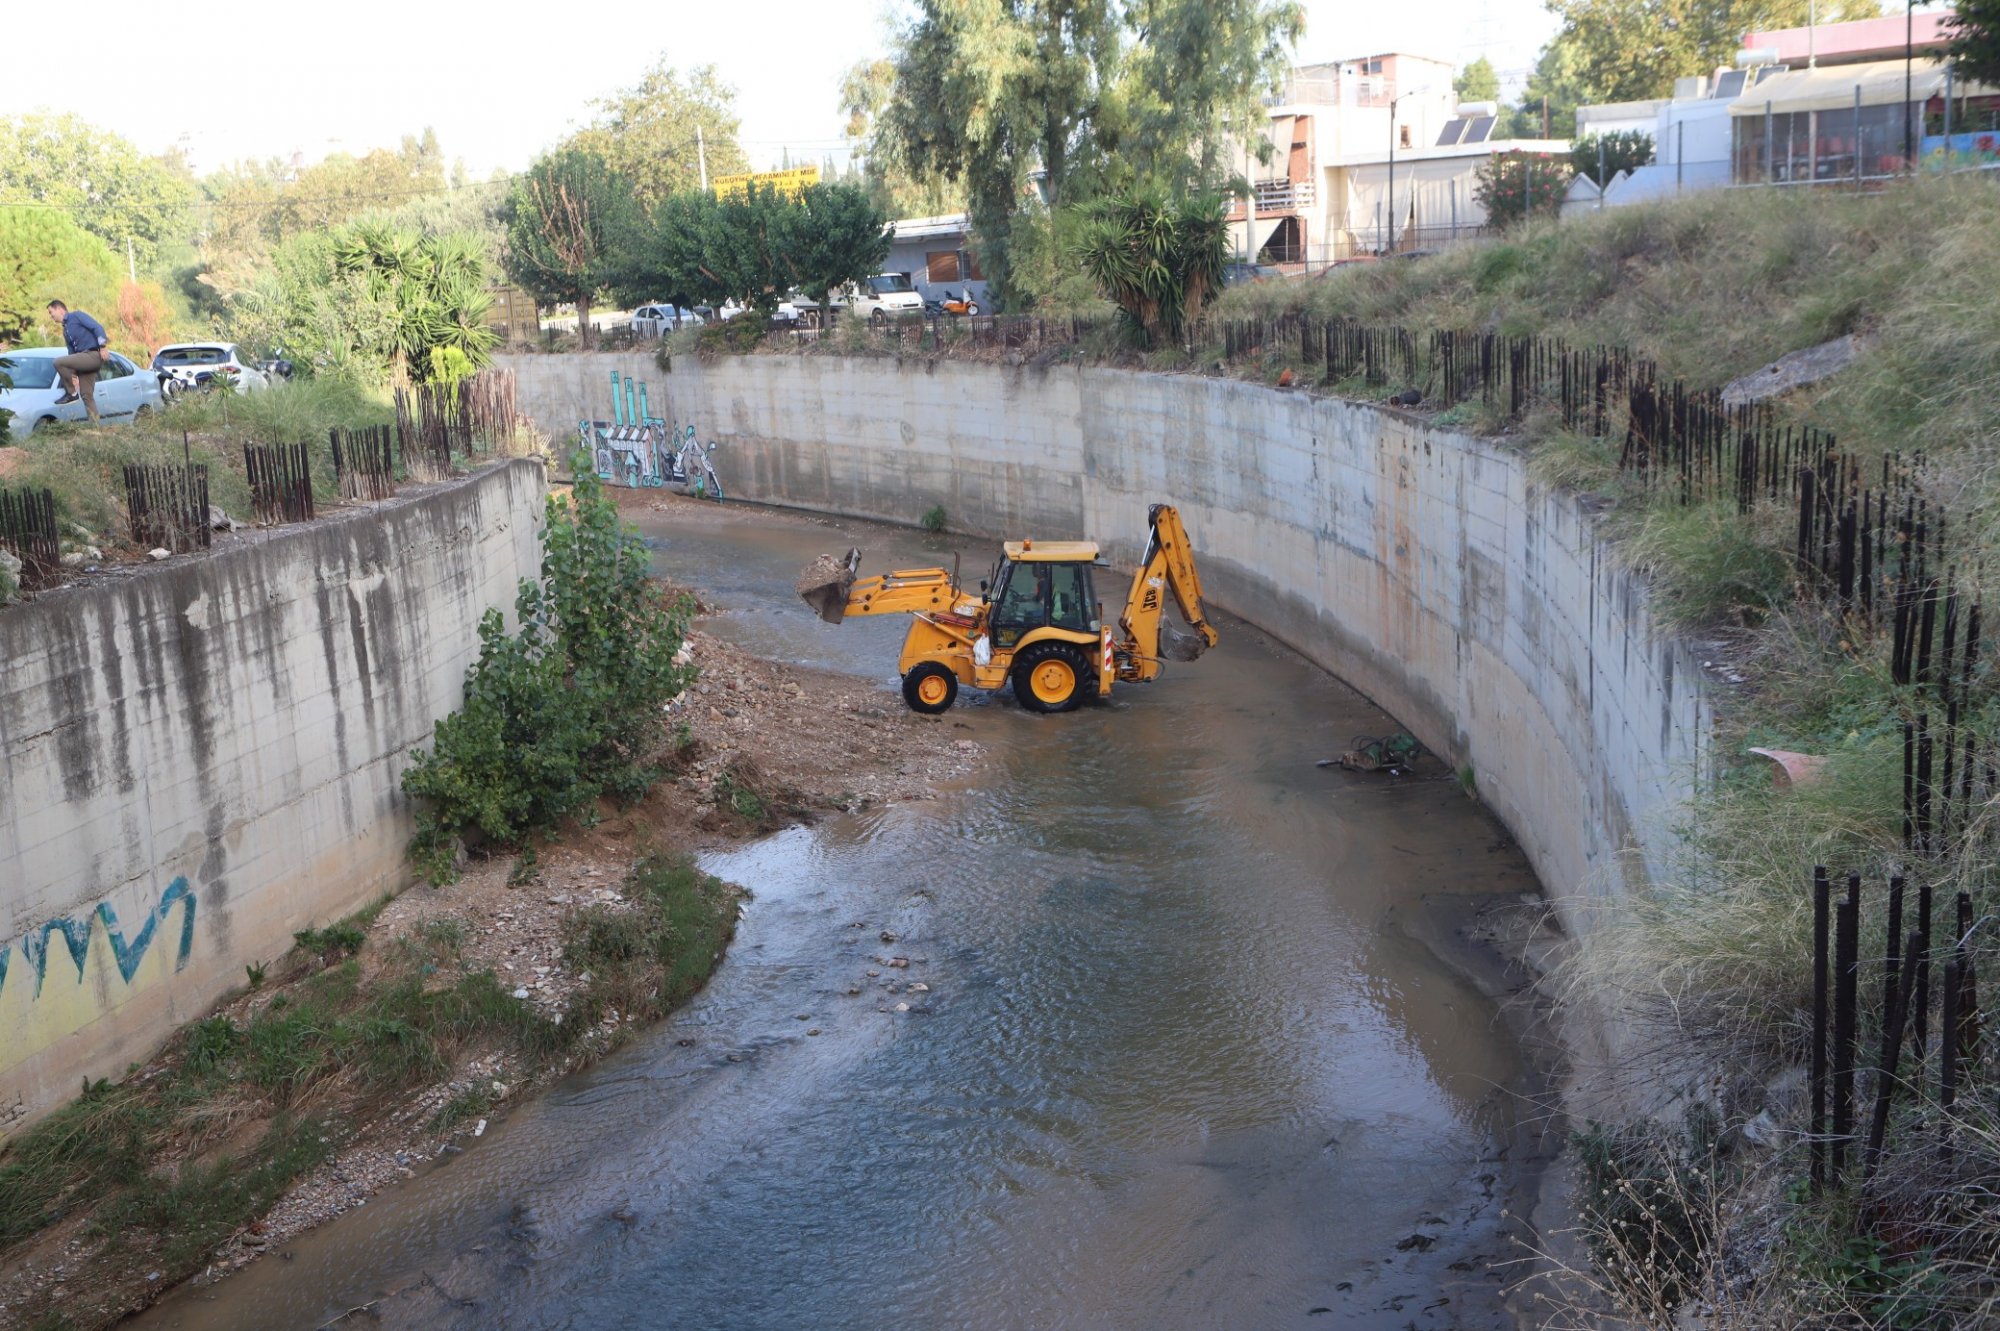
column 129, row 957
column 76, row 937
column 36, row 946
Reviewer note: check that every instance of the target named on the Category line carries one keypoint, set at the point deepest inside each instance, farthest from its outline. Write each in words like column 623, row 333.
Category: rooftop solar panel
column 1478, row 130
column 1731, row 83
column 1452, row 129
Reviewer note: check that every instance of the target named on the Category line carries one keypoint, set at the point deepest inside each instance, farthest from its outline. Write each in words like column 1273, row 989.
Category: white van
column 883, row 297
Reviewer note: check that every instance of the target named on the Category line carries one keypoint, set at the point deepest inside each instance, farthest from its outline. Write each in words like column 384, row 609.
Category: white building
column 1368, row 155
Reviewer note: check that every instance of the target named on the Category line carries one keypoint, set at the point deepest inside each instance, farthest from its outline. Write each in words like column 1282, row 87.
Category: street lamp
column 1389, row 212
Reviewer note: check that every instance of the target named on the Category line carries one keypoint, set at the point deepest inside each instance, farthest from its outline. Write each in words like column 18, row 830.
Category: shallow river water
column 1183, row 1061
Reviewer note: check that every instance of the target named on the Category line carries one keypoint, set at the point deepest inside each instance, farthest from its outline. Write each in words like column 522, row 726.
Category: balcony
column 1284, row 196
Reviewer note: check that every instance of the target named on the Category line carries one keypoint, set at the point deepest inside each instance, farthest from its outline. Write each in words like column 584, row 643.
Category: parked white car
column 659, row 320
column 198, row 364
column 125, row 392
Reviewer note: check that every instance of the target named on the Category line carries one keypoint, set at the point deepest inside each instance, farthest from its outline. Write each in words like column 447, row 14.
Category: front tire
column 1049, row 677
column 930, row 688
column 879, row 320
column 972, row 310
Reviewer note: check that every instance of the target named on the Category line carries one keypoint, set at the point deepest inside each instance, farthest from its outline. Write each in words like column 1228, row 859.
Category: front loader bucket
column 825, row 583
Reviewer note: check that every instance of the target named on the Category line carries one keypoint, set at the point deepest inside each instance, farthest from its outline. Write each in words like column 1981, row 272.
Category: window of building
column 1406, row 136
column 941, row 265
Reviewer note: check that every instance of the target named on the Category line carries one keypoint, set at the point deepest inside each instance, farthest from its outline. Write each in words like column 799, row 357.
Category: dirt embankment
column 753, row 746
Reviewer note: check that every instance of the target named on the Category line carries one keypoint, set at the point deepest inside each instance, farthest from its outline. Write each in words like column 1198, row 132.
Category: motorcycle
column 961, row 304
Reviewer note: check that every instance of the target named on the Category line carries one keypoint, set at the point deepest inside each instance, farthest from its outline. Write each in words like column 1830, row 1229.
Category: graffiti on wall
column 74, row 937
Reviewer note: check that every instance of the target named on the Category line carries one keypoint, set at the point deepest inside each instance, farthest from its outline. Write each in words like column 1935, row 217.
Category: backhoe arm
column 1168, row 565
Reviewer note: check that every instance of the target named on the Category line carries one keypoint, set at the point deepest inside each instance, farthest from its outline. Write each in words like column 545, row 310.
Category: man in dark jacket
column 87, row 344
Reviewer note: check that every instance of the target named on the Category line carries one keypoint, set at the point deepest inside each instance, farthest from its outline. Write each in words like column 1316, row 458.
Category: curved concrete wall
column 201, row 758
column 1421, row 565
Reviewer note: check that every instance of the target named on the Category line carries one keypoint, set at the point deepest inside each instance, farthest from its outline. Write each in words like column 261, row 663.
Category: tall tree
column 990, row 91
column 1075, row 96
column 648, row 132
column 1198, row 70
column 1629, row 50
column 867, row 90
column 1555, row 88
column 829, row 236
column 571, row 226
column 113, row 191
column 1477, row 81
column 1975, row 40
column 45, row 256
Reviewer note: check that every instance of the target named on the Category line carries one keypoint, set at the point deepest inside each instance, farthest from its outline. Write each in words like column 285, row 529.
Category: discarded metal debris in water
column 1390, row 753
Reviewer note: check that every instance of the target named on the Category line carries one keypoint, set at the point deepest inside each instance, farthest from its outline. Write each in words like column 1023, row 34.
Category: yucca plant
column 1159, row 258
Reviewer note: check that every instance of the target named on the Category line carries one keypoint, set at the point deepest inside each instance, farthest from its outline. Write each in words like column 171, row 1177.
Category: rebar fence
column 280, row 482
column 28, row 530
column 489, row 406
column 364, row 461
column 435, row 422
column 1920, row 1007
column 166, row 506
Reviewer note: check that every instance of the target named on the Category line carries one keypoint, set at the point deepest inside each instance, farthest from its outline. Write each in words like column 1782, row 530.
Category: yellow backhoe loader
column 1036, row 623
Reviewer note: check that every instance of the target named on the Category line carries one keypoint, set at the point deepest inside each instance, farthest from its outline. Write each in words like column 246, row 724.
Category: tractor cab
column 1046, row 585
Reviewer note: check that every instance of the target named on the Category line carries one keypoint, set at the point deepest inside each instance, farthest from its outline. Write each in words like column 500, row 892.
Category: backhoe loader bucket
column 1178, row 646
column 825, row 583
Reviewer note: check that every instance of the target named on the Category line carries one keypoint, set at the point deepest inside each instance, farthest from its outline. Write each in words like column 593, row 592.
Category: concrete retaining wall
column 1421, row 565
column 199, row 759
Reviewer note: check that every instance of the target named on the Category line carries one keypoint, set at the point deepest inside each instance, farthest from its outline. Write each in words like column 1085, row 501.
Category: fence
column 364, row 461
column 1903, row 1023
column 280, row 483
column 28, row 529
column 167, row 506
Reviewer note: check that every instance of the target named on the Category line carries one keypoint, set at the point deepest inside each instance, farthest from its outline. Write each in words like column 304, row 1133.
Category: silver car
column 124, row 391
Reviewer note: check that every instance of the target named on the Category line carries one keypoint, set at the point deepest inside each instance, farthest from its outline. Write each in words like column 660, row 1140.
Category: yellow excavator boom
column 1168, row 565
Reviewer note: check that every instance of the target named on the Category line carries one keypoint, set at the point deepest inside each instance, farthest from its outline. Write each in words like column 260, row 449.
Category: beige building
column 1362, row 149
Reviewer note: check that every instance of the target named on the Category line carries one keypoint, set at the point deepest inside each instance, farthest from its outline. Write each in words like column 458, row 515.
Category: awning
column 1831, row 87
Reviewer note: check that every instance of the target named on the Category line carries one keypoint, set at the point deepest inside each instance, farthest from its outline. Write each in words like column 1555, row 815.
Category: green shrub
column 933, row 519
column 738, row 336
column 331, row 943
column 565, row 708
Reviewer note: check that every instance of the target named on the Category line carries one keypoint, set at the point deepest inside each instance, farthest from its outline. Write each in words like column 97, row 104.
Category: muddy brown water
column 1183, row 1059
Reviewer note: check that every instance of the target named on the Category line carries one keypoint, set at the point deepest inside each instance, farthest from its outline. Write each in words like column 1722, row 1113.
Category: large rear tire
column 930, row 688
column 1050, row 677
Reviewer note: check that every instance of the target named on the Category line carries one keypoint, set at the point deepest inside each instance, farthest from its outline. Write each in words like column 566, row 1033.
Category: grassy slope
column 82, row 464
column 163, row 1167
column 1716, row 962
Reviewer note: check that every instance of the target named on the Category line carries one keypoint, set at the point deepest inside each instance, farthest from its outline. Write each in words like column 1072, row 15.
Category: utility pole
column 1249, row 207
column 1389, row 213
column 1909, row 44
column 131, row 264
column 1545, row 115
column 701, row 156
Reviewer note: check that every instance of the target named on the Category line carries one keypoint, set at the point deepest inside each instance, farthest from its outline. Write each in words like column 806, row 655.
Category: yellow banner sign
column 788, row 184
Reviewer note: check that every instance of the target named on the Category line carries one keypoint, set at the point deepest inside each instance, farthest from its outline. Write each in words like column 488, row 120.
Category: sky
column 271, row 81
